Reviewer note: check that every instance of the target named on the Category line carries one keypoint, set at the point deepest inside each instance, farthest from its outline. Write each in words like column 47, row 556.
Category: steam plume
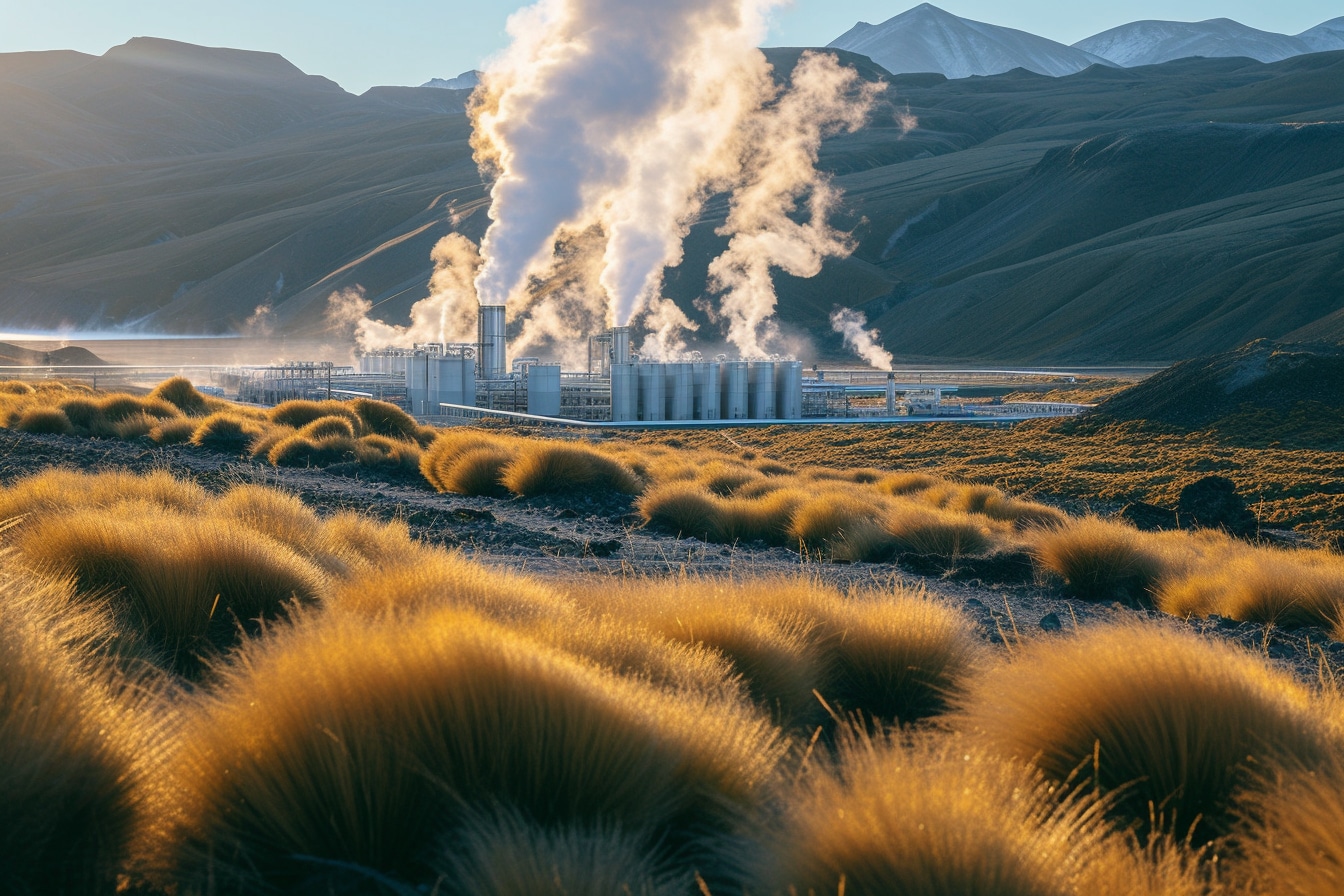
column 865, row 343
column 447, row 315
column 623, row 118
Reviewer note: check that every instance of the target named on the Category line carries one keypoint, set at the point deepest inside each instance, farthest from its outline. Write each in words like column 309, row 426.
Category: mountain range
column 1115, row 214
column 929, row 39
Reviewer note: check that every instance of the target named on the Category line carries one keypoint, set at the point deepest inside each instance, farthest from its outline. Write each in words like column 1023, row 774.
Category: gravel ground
column 581, row 535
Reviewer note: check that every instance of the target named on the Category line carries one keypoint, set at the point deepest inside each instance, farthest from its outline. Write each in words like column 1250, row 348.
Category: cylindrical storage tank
column 761, row 401
column 891, row 394
column 733, row 378
column 789, row 390
column 543, row 390
column 705, row 391
column 490, row 347
column 651, row 392
column 680, row 392
column 457, row 381
column 417, row 384
column 620, row 345
column 624, row 393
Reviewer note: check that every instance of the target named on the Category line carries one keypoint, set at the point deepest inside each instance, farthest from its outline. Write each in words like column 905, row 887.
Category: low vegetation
column 380, row 715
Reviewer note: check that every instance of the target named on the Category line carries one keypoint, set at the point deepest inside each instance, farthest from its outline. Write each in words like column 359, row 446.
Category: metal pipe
column 620, row 345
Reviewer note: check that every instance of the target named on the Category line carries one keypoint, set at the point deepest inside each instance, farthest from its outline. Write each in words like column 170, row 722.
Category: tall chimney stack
column 620, row 345
column 491, row 352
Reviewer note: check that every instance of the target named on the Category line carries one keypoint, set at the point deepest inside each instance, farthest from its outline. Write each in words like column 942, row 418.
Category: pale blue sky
column 410, row 41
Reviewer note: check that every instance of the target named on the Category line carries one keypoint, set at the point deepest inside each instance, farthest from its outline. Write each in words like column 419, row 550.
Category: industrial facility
column 472, row 380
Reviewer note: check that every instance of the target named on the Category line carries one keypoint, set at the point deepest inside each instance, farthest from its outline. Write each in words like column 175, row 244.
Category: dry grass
column 1290, row 836
column 68, row 782
column 44, row 420
column 181, row 394
column 333, row 744
column 298, row 413
column 544, row 467
column 1168, row 723
column 225, row 431
column 1101, row 560
column 177, row 431
column 388, row 453
column 506, row 855
column 383, row 419
column 928, row 819
column 684, row 509
column 937, row 533
column 467, row 461
column 1286, row 588
column 298, row 450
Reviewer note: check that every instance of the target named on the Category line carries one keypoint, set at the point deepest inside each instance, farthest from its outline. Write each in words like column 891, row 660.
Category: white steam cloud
column 623, row 118
column 447, row 315
column 865, row 343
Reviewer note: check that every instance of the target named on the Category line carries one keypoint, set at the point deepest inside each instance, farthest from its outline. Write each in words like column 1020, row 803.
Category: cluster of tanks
column 617, row 387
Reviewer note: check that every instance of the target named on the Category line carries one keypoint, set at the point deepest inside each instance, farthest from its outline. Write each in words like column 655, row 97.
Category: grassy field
column 227, row 692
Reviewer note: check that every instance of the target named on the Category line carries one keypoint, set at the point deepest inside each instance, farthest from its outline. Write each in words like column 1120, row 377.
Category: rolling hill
column 1151, row 213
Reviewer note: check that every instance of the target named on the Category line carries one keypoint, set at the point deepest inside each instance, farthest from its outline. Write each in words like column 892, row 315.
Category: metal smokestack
column 491, row 352
column 891, row 394
column 620, row 345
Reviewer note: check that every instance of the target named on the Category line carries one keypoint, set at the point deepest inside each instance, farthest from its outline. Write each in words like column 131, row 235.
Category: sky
column 359, row 43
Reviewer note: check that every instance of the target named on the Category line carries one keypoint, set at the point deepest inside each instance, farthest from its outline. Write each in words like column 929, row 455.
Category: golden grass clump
column 724, row 478
column 388, row 453
column 56, row 491
column 358, row 541
column 270, row 512
column 507, row 855
column 684, row 509
column 931, row 532
column 1289, row 838
column 327, row 427
column 480, row 475
column 299, row 412
column 181, row 394
column 906, row 483
column 339, row 743
column 1101, row 560
column 928, row 820
column 383, row 419
column 16, row 387
column 548, row 467
column 298, row 450
column 186, row 582
column 1167, row 723
column 829, row 516
column 135, row 426
column 68, row 784
column 225, row 431
column 86, row 416
column 174, row 431
column 896, row 657
column 51, row 421
column 1263, row 585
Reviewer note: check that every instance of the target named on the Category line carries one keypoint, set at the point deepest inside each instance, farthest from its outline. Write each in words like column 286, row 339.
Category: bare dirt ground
column 574, row 536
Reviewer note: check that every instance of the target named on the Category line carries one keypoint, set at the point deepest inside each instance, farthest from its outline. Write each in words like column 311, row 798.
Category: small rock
column 1213, row 503
column 975, row 604
column 1050, row 622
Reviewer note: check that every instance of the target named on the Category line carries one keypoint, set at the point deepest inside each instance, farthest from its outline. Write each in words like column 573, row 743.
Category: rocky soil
column 578, row 535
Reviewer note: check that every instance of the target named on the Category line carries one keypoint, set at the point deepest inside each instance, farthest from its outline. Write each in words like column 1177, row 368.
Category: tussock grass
column 68, row 780
column 1287, row 588
column 545, row 467
column 1168, row 723
column 383, row 419
column 328, row 427
column 1101, row 560
column 506, row 855
column 906, row 483
column 299, row 450
column 1290, row 832
column 830, row 515
column 225, row 431
column 16, row 387
column 936, row 533
column 724, row 478
column 336, row 739
column 57, row 491
column 358, row 541
column 44, row 420
column 135, row 426
column 186, row 582
column 929, row 819
column 298, row 413
column 684, row 509
column 389, row 453
column 481, row 474
column 181, row 394
column 176, row 431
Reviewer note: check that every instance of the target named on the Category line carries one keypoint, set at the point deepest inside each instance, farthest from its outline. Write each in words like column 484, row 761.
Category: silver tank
column 733, row 378
column 417, row 384
column 761, row 401
column 624, row 393
column 705, row 391
column 543, row 389
column 490, row 344
column 789, row 390
column 680, row 392
column 651, row 392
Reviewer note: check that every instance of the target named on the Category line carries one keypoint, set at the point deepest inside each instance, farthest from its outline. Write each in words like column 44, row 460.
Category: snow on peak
column 1150, row 42
column 464, row 81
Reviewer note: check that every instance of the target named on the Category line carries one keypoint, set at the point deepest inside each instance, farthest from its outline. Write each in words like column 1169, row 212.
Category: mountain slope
column 1325, row 37
column 927, row 39
column 1152, row 42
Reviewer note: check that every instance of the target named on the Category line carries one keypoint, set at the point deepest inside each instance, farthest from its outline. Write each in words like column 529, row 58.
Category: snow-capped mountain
column 1325, row 37
column 1151, row 42
column 928, row 39
column 464, row 81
